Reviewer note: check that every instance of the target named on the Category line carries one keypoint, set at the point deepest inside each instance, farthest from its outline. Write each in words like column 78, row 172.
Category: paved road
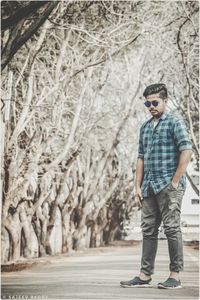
column 95, row 274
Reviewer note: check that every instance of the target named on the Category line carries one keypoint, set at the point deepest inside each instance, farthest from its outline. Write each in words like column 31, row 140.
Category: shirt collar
column 164, row 115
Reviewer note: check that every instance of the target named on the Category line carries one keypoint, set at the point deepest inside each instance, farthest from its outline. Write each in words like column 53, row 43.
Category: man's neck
column 155, row 119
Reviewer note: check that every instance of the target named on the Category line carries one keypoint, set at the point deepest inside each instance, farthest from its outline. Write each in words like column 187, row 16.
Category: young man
column 164, row 153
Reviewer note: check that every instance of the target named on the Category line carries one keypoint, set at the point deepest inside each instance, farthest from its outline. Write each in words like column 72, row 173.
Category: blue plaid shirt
column 160, row 147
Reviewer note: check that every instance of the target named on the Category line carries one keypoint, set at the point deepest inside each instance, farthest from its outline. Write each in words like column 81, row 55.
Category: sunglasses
column 154, row 103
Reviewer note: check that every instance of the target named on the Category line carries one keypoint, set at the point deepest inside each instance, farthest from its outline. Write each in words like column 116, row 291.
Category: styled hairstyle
column 156, row 88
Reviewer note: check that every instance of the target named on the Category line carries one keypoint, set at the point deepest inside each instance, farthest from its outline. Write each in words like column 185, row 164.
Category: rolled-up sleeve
column 181, row 136
column 140, row 148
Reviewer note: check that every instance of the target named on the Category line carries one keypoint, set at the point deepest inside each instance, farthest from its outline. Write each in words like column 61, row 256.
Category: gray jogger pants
column 164, row 206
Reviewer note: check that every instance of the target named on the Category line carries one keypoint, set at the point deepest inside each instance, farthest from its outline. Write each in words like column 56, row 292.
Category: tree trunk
column 14, row 231
column 67, row 241
column 79, row 239
column 26, row 231
column 5, row 245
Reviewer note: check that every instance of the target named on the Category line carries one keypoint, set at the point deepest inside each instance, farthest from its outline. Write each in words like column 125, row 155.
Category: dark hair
column 156, row 88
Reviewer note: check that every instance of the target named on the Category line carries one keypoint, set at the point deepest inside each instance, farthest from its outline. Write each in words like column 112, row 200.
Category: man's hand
column 138, row 198
column 138, row 182
column 175, row 184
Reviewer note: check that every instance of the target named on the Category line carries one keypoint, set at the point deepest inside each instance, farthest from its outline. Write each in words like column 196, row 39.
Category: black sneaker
column 170, row 283
column 136, row 282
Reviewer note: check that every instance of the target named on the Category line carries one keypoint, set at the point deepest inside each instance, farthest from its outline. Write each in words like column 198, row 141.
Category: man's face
column 156, row 105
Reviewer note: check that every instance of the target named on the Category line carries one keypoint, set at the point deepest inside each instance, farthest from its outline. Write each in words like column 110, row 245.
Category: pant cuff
column 146, row 273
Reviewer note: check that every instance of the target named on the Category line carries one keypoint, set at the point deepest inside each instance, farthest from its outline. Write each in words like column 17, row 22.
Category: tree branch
column 21, row 13
column 17, row 42
column 105, row 59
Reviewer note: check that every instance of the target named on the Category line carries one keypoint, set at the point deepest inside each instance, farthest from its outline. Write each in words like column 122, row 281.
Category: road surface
column 96, row 273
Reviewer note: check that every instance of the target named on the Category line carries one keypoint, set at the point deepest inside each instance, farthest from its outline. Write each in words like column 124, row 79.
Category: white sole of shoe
column 169, row 288
column 137, row 286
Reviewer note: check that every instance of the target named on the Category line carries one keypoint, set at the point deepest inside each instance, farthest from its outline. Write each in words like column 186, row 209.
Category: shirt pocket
column 161, row 141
